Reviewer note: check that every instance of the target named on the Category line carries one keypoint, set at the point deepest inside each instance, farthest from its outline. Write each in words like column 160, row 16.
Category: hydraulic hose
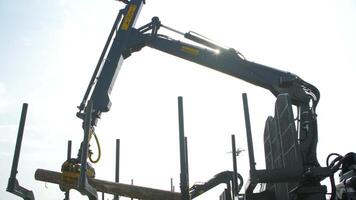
column 99, row 149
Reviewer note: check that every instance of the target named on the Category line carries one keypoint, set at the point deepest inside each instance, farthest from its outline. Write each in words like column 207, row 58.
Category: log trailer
column 287, row 176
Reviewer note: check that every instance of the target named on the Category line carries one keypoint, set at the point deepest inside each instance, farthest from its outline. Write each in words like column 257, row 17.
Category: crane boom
column 129, row 39
column 125, row 39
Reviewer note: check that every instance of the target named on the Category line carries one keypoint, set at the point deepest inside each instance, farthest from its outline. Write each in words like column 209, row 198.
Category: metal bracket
column 14, row 188
column 13, row 185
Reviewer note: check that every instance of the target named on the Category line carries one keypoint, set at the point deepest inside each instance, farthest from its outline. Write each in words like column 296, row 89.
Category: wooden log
column 120, row 189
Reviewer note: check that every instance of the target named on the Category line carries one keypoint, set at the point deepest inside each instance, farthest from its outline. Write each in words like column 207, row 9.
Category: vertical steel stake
column 186, row 159
column 69, row 156
column 13, row 185
column 131, row 184
column 235, row 190
column 117, row 165
column 15, row 161
column 249, row 134
column 172, row 187
column 184, row 185
column 69, row 150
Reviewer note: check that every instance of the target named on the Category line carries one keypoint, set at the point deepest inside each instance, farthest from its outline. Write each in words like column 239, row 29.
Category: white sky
column 49, row 50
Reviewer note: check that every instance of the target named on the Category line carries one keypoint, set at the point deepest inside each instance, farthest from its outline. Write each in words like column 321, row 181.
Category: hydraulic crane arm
column 110, row 61
column 125, row 39
column 228, row 61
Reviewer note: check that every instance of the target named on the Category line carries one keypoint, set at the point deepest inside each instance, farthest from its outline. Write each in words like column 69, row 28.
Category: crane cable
column 98, row 147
